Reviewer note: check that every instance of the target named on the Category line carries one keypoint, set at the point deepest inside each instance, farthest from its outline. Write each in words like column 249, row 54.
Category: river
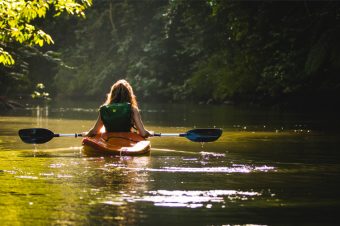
column 268, row 168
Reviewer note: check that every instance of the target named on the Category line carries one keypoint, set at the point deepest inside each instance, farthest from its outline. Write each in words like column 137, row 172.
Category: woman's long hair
column 121, row 92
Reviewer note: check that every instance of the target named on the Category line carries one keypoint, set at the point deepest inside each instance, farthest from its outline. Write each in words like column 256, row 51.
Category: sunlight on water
column 28, row 177
column 232, row 169
column 211, row 154
column 259, row 172
column 183, row 198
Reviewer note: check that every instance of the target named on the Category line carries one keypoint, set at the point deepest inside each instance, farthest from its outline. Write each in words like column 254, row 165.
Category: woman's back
column 116, row 117
column 120, row 112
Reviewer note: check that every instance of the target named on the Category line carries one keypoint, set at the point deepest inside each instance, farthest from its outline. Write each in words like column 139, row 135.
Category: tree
column 18, row 17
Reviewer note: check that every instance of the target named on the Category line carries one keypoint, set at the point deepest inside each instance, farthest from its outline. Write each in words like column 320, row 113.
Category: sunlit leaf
column 17, row 18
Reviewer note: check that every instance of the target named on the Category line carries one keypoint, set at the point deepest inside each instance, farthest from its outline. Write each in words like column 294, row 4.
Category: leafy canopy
column 17, row 22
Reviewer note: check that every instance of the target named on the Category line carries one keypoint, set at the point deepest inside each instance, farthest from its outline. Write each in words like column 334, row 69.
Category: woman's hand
column 147, row 134
column 90, row 133
column 151, row 133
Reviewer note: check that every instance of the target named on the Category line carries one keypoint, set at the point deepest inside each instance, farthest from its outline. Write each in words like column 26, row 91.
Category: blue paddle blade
column 203, row 135
column 36, row 135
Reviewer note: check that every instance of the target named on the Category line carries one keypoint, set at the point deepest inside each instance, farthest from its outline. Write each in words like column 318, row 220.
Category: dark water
column 268, row 168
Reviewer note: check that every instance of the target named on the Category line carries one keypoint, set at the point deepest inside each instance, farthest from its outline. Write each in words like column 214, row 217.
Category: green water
column 268, row 168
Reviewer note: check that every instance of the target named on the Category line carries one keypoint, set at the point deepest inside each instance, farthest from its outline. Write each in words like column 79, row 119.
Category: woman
column 120, row 112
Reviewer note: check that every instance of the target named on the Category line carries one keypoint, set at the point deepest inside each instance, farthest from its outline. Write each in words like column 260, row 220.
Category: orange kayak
column 120, row 143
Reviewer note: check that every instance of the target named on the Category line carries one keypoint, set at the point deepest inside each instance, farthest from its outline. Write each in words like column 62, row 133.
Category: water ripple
column 182, row 198
column 232, row 169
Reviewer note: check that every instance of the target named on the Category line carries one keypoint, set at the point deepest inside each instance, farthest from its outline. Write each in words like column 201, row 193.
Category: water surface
column 268, row 168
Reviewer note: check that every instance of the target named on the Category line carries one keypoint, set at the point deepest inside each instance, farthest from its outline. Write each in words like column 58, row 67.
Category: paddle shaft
column 67, row 135
column 156, row 135
column 41, row 135
column 169, row 134
column 196, row 135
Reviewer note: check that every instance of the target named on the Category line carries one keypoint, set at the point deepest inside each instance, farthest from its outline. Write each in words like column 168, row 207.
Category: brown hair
column 121, row 92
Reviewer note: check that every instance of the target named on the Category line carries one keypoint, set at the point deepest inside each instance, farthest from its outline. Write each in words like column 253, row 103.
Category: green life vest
column 116, row 117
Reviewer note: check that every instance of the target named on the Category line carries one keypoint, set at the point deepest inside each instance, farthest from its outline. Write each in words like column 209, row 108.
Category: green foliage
column 201, row 50
column 17, row 22
column 22, row 36
column 5, row 57
column 40, row 93
column 198, row 50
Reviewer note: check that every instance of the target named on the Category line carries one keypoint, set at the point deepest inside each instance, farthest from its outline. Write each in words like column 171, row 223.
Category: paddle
column 196, row 135
column 41, row 135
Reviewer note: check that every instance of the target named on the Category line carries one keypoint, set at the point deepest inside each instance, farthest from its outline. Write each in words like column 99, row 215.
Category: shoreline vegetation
column 273, row 54
column 8, row 104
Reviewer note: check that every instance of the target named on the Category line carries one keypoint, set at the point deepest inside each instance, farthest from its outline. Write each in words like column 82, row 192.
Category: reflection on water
column 180, row 198
column 233, row 169
column 265, row 169
column 41, row 114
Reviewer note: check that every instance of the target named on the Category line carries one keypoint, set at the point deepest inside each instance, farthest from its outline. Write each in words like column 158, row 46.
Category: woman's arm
column 139, row 124
column 96, row 128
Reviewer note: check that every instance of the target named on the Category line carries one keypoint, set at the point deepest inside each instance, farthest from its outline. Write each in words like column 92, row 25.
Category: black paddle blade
column 203, row 135
column 36, row 135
